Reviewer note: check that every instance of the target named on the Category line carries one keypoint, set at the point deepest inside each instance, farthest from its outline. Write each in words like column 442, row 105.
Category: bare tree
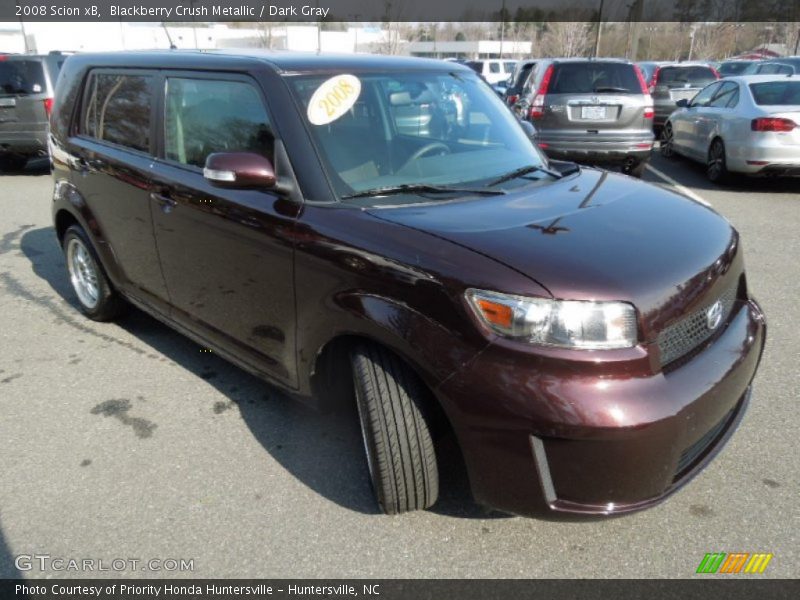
column 566, row 39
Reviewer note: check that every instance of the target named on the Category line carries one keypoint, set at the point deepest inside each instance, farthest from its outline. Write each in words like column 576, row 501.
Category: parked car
column 673, row 82
column 516, row 81
column 26, row 98
column 747, row 124
column 737, row 66
column 773, row 67
column 592, row 111
column 649, row 67
column 268, row 206
column 494, row 70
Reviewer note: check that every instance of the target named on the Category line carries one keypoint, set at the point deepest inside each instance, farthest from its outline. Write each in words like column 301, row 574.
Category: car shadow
column 322, row 450
column 35, row 167
column 8, row 568
column 696, row 174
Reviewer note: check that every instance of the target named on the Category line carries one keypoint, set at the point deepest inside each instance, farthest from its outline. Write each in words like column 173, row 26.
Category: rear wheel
column 636, row 169
column 395, row 429
column 96, row 298
column 716, row 169
column 667, row 142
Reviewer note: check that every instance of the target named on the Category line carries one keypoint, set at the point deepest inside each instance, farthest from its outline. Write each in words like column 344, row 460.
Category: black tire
column 108, row 304
column 395, row 429
column 667, row 145
column 716, row 167
column 636, row 170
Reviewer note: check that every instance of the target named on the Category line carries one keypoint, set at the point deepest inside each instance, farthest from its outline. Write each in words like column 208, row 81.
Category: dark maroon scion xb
column 383, row 230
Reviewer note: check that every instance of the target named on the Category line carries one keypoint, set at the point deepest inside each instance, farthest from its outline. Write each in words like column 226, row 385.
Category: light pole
column 599, row 27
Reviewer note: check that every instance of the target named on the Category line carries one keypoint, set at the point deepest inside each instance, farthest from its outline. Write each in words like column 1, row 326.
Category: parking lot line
column 681, row 188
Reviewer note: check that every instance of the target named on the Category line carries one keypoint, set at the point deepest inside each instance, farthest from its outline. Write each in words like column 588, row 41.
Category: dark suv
column 27, row 84
column 593, row 111
column 279, row 210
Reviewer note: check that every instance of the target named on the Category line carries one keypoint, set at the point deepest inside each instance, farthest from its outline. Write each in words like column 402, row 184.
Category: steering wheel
column 427, row 149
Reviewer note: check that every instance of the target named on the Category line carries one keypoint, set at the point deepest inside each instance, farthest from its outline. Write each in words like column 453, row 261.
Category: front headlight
column 564, row 323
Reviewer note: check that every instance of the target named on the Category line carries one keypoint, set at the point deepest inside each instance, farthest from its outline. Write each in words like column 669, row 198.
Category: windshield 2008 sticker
column 333, row 98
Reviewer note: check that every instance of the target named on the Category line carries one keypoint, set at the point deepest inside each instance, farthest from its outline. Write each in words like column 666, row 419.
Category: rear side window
column 775, row 69
column 204, row 116
column 685, row 76
column 21, row 77
column 776, row 93
column 494, row 67
column 118, row 109
column 594, row 78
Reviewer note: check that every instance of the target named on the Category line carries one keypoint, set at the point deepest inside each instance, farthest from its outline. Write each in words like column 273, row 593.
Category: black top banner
column 402, row 10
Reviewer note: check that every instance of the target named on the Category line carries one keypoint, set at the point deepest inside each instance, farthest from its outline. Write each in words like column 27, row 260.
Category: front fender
column 431, row 349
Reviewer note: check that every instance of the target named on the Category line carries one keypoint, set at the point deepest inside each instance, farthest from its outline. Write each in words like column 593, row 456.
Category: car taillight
column 48, row 106
column 716, row 73
column 772, row 124
column 654, row 80
column 537, row 106
column 512, row 100
column 649, row 113
column 640, row 77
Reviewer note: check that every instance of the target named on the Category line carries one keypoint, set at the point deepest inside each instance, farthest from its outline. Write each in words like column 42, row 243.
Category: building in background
column 473, row 50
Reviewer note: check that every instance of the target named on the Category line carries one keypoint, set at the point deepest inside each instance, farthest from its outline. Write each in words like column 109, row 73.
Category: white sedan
column 748, row 124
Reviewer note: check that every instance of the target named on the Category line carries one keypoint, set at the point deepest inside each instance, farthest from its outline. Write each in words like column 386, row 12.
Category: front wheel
column 395, row 428
column 96, row 298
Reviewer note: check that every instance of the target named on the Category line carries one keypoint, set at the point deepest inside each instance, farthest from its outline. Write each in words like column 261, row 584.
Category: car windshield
column 412, row 128
column 21, row 77
column 776, row 93
column 733, row 67
column 593, row 78
column 686, row 76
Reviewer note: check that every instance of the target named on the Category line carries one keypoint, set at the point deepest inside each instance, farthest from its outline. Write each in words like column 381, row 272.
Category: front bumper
column 544, row 438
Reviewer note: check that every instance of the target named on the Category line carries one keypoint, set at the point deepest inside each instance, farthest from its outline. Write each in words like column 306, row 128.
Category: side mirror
column 239, row 170
column 683, row 103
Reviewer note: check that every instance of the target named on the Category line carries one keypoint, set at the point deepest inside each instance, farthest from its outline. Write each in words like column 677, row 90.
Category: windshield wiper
column 524, row 171
column 420, row 188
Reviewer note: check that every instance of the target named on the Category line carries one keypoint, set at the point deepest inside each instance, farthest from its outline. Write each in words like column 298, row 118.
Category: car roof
column 286, row 62
column 762, row 78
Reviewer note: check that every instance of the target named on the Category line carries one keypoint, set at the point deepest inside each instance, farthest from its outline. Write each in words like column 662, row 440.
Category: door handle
column 164, row 201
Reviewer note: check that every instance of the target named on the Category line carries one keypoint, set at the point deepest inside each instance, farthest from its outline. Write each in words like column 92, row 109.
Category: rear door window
column 594, row 78
column 203, row 116
column 685, row 76
column 118, row 109
column 20, row 77
column 776, row 93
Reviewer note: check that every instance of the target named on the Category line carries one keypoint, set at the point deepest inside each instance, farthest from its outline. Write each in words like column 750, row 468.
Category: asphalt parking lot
column 127, row 441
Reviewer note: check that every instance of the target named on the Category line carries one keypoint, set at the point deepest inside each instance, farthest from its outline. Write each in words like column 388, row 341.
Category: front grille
column 687, row 334
column 691, row 453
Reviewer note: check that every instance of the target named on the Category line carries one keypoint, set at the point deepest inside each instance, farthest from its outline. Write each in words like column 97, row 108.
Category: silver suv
column 27, row 86
column 592, row 111
column 673, row 82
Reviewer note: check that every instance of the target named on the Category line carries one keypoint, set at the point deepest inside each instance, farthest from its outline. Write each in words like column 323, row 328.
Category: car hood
column 597, row 235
